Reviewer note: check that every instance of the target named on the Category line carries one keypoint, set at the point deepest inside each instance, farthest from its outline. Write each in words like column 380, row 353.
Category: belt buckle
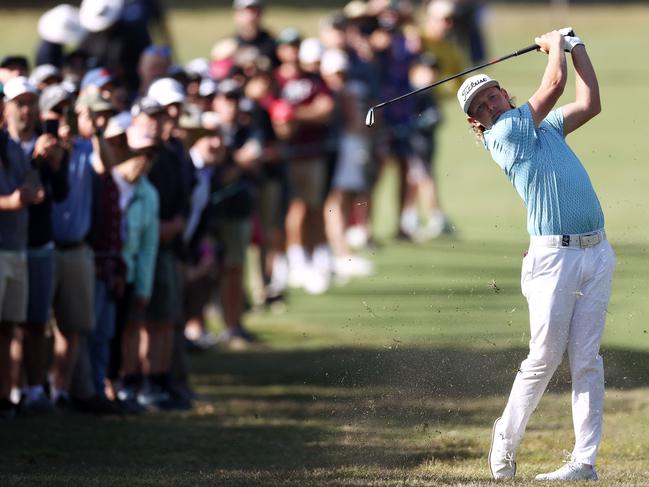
column 589, row 240
column 565, row 240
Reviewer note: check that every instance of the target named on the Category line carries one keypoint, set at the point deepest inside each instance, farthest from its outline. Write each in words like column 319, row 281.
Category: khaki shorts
column 234, row 238
column 74, row 287
column 308, row 181
column 13, row 286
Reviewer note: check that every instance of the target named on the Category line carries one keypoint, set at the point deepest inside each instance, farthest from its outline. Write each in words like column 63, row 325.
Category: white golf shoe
column 571, row 471
column 502, row 462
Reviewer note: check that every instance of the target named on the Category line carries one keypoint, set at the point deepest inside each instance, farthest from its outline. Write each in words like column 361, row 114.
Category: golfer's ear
column 473, row 122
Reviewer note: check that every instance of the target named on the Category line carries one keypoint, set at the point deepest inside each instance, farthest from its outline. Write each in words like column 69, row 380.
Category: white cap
column 334, row 61
column 61, row 25
column 208, row 87
column 471, row 87
column 167, row 91
column 199, row 67
column 18, row 86
column 43, row 72
column 117, row 124
column 99, row 15
column 239, row 4
column 311, row 50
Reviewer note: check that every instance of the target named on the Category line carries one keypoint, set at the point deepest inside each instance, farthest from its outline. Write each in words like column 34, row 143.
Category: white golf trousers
column 567, row 290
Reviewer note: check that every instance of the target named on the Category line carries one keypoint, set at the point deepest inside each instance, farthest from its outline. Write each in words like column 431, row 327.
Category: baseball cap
column 230, row 88
column 99, row 15
column 334, row 61
column 98, row 77
column 290, row 35
column 52, row 96
column 146, row 105
column 198, row 68
column 208, row 87
column 167, row 91
column 117, row 125
column 42, row 73
column 471, row 87
column 18, row 86
column 311, row 50
column 239, row 4
column 61, row 25
column 94, row 101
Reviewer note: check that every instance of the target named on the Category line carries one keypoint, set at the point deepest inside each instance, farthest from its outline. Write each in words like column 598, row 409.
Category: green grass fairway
column 396, row 379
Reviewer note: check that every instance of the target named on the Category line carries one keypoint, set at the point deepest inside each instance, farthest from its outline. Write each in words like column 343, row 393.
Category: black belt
column 70, row 245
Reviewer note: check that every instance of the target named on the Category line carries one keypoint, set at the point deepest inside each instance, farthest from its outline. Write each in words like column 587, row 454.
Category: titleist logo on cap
column 467, row 89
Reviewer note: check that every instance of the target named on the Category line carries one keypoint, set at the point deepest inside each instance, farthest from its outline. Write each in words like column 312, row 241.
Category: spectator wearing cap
column 57, row 28
column 75, row 270
column 349, row 182
column 17, row 193
column 138, row 201
column 439, row 22
column 49, row 171
column 424, row 72
column 249, row 30
column 311, row 108
column 45, row 75
column 394, row 52
column 106, row 240
column 111, row 41
column 101, row 80
column 164, row 309
column 12, row 66
column 235, row 206
column 200, row 264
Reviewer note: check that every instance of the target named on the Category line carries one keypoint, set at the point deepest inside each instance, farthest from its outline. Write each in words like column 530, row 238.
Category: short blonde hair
column 478, row 132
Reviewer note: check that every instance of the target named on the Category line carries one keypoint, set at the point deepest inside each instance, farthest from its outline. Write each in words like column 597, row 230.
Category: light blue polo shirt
column 554, row 185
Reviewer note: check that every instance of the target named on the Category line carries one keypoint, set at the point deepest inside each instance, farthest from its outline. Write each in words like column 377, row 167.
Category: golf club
column 369, row 119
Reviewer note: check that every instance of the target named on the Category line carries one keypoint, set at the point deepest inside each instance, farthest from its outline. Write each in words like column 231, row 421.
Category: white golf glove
column 570, row 39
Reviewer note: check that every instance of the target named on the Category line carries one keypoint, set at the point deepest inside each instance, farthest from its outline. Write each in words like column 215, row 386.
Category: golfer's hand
column 551, row 41
column 570, row 39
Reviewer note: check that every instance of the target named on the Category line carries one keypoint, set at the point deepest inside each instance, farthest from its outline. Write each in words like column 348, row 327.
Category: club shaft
column 532, row 47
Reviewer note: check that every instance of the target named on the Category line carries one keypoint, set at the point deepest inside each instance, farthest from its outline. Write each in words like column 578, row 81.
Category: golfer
column 567, row 272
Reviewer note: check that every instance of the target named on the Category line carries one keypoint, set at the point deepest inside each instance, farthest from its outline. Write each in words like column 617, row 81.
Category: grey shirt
column 13, row 172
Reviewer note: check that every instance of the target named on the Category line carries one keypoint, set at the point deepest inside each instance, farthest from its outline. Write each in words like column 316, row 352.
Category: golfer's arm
column 587, row 102
column 552, row 85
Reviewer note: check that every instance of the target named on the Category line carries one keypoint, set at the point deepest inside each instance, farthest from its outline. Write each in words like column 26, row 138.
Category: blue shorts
column 40, row 269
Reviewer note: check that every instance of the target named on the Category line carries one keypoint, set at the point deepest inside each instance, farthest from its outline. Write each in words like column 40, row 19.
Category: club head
column 369, row 119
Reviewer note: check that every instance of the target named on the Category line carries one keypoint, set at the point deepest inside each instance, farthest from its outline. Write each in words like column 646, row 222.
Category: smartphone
column 33, row 178
column 51, row 126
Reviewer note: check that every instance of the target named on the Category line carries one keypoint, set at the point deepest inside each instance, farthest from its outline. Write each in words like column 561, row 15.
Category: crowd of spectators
column 132, row 186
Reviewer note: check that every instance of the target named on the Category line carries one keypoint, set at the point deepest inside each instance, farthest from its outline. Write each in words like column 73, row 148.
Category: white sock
column 296, row 257
column 409, row 219
column 321, row 259
column 279, row 275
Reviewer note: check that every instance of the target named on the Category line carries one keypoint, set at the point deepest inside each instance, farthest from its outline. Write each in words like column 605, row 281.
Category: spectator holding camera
column 17, row 193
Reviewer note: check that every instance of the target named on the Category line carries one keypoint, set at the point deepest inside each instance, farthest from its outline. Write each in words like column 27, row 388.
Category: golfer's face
column 488, row 105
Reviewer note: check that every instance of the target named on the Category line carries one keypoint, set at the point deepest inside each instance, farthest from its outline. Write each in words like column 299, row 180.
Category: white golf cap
column 118, row 124
column 61, row 25
column 167, row 91
column 99, row 15
column 239, row 4
column 43, row 72
column 199, row 67
column 471, row 87
column 311, row 50
column 334, row 61
column 18, row 86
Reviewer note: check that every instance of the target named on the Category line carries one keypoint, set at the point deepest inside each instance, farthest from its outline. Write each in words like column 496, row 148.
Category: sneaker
column 40, row 406
column 571, row 471
column 502, row 464
column 315, row 282
column 98, row 405
column 353, row 266
column 7, row 409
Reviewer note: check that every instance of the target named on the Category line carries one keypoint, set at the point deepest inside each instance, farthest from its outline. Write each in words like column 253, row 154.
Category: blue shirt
column 547, row 175
column 71, row 217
